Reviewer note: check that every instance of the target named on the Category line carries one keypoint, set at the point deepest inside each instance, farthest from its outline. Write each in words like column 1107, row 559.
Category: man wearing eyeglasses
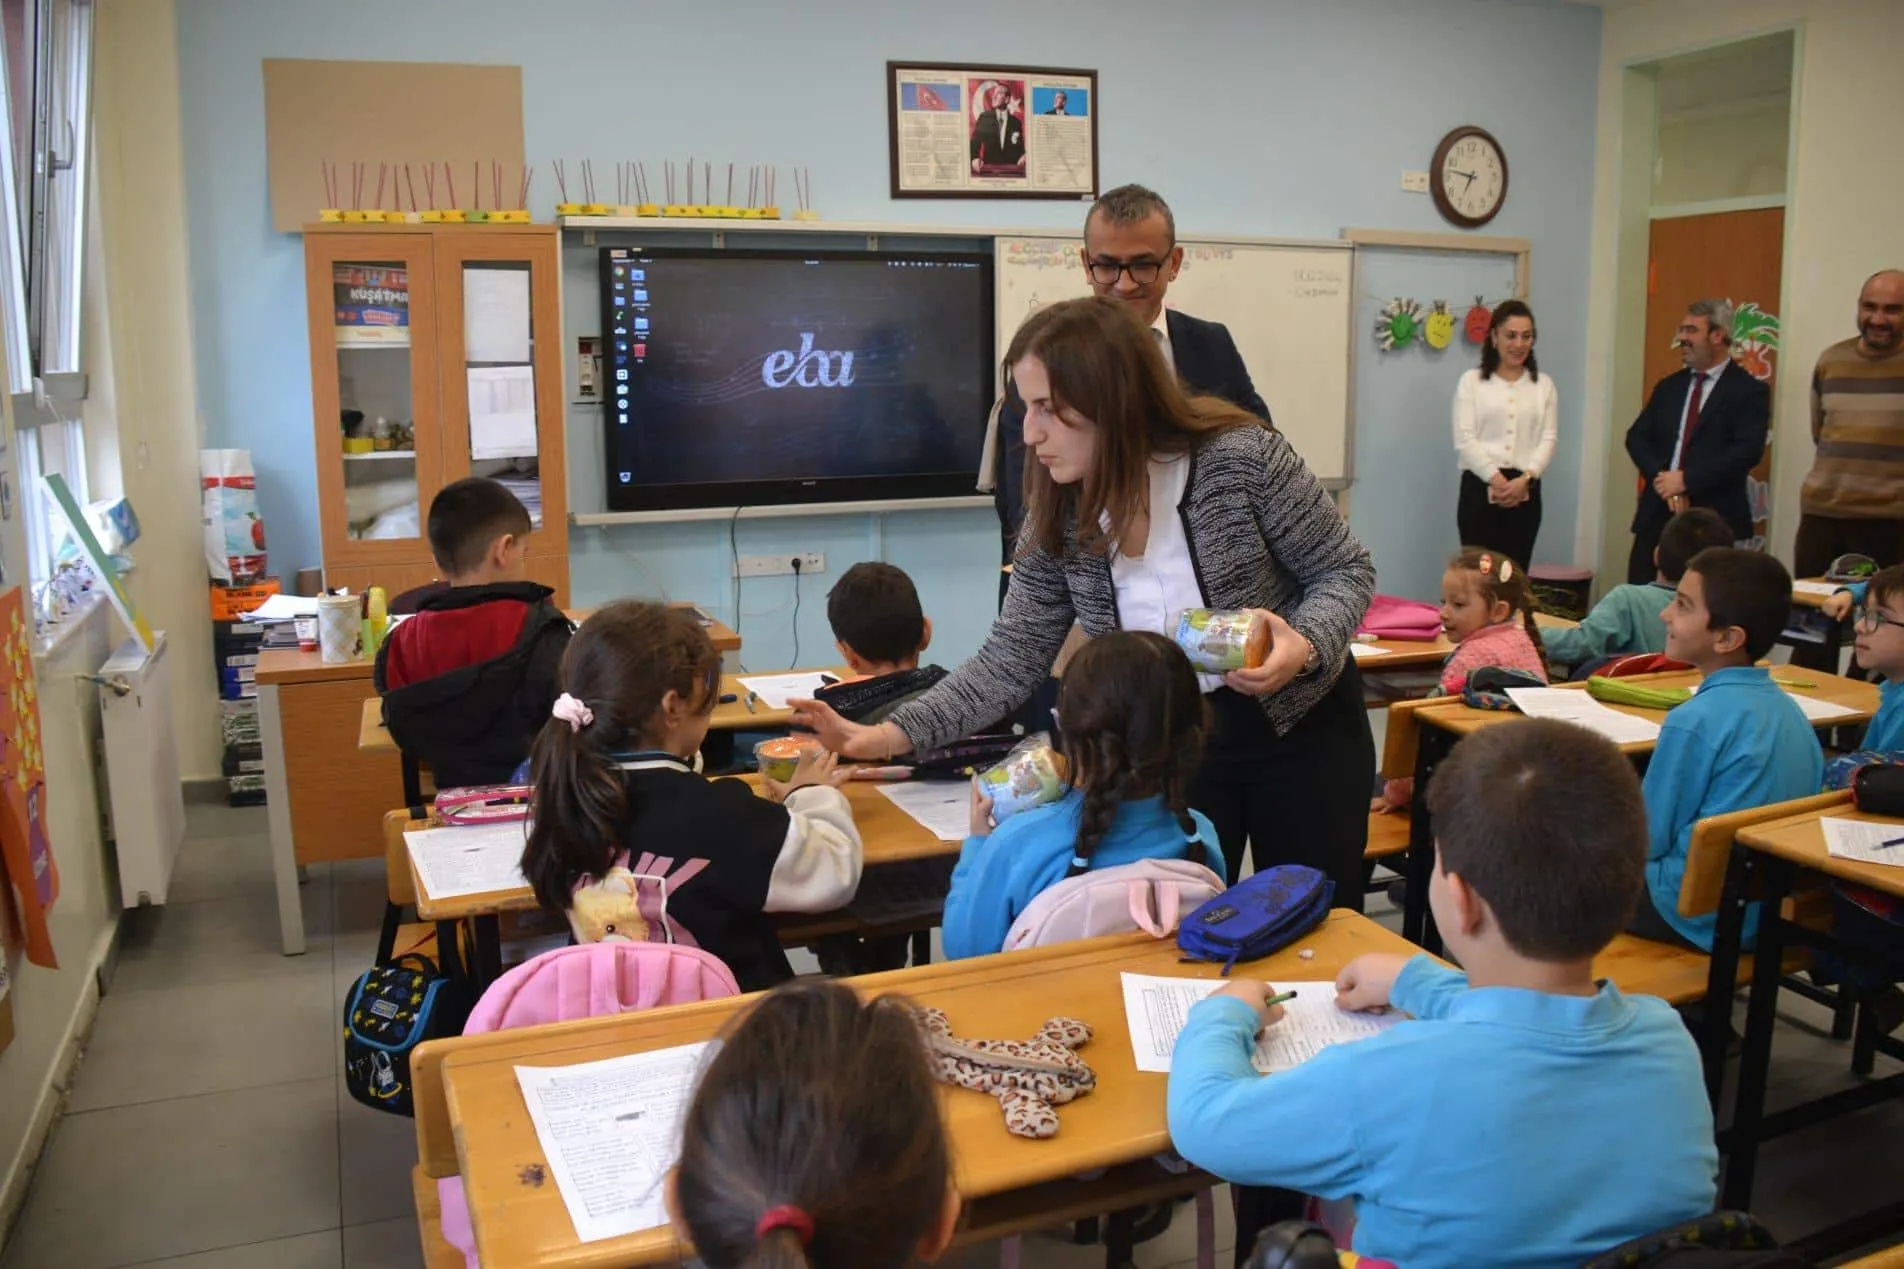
column 1131, row 254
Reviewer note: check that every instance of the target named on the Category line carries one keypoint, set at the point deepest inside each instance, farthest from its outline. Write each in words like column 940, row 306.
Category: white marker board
column 1289, row 306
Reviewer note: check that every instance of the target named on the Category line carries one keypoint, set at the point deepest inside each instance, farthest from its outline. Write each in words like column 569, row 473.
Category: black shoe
column 1398, row 893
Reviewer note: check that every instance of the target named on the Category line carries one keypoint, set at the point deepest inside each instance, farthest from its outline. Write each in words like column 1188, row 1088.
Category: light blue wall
column 1290, row 117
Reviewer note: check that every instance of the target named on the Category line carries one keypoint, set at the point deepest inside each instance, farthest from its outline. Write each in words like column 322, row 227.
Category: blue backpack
column 1257, row 915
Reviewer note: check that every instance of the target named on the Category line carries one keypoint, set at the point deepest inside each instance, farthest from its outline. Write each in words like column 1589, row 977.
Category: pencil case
column 1627, row 692
column 483, row 804
column 1878, row 787
column 1257, row 915
column 1218, row 640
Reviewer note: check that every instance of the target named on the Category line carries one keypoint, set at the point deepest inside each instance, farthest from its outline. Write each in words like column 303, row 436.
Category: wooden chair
column 1404, row 735
column 1889, row 1258
column 399, row 886
column 436, row 1149
column 1387, row 836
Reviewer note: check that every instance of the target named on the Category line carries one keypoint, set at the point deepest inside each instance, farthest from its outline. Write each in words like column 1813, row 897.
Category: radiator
column 148, row 803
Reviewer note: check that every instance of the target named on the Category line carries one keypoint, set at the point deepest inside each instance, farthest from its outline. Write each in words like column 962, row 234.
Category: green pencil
column 1281, row 999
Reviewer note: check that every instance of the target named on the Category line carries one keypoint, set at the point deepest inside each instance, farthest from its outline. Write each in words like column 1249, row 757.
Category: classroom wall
column 1841, row 215
column 1291, row 117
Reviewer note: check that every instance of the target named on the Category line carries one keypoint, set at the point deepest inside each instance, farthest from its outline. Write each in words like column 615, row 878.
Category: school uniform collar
column 1582, row 1019
column 1671, row 588
column 651, row 760
column 1737, row 676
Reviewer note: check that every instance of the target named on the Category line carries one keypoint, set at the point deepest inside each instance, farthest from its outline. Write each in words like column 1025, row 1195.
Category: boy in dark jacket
column 881, row 632
column 469, row 680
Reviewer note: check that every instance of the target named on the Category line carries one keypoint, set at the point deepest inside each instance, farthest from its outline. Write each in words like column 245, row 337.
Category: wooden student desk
column 325, row 794
column 1009, row 995
column 1403, row 655
column 1765, row 861
column 1442, row 725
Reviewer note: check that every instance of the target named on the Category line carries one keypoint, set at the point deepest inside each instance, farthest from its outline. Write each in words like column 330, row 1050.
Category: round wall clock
column 1468, row 177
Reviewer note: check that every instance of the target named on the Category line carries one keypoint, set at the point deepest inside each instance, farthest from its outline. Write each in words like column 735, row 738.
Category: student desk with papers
column 1765, row 861
column 1009, row 1184
column 1440, row 726
column 889, row 837
column 326, row 791
column 1404, row 660
column 1808, row 596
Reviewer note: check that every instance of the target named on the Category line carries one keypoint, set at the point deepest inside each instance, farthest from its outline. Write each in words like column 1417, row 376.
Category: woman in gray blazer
column 1141, row 502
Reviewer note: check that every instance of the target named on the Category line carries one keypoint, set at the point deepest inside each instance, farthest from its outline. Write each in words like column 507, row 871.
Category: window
column 49, row 48
column 47, row 450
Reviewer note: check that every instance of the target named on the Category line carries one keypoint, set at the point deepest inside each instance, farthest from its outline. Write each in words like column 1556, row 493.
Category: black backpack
column 390, row 1010
column 1722, row 1240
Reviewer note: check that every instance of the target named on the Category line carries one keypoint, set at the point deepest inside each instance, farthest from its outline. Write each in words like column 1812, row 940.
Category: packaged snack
column 777, row 756
column 1218, row 640
column 1032, row 774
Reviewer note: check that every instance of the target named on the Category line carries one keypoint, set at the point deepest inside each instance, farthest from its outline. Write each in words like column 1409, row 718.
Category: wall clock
column 1468, row 177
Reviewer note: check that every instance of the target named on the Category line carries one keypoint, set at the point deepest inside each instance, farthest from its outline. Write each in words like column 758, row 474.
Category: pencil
column 1282, row 998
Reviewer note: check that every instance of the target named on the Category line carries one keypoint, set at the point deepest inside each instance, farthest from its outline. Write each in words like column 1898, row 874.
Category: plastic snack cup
column 777, row 756
column 1032, row 774
column 1218, row 640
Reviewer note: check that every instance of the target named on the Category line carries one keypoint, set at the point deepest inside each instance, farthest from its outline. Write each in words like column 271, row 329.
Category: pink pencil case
column 484, row 804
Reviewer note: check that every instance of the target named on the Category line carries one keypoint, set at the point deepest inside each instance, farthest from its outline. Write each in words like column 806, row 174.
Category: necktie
column 1001, row 127
column 1700, row 383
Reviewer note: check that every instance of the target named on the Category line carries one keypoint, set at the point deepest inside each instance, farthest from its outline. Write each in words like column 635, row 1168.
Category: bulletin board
column 344, row 112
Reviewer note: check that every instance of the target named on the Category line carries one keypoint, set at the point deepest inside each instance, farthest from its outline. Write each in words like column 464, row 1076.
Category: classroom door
column 1725, row 255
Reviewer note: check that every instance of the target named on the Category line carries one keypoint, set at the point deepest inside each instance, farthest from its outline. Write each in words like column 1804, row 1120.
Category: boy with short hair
column 469, row 680
column 1627, row 618
column 1553, row 1117
column 881, row 632
column 1739, row 742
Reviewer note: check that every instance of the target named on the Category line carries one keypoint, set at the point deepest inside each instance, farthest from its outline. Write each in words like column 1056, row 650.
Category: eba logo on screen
column 810, row 368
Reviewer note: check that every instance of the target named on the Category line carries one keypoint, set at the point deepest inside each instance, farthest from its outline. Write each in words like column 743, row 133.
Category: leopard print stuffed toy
column 1030, row 1078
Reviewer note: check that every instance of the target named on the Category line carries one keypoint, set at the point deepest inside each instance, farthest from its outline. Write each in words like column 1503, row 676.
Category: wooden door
column 1725, row 255
column 499, row 311
column 373, row 357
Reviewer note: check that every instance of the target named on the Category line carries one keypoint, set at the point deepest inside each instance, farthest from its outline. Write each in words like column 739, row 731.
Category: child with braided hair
column 1133, row 726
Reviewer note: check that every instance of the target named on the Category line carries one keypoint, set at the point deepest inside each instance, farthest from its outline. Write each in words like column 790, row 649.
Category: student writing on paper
column 815, row 1139
column 1868, row 920
column 1134, row 729
column 1739, row 742
column 1550, row 1117
column 1628, row 619
column 468, row 680
column 631, row 843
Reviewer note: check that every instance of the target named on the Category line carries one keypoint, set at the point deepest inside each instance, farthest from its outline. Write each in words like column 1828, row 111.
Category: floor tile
column 219, row 940
column 384, row 1245
column 138, row 1183
column 378, row 1151
column 322, row 1250
column 221, row 868
column 182, row 1041
column 206, row 819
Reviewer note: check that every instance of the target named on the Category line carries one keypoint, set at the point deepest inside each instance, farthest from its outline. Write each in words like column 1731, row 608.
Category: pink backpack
column 593, row 980
column 1391, row 618
column 1150, row 895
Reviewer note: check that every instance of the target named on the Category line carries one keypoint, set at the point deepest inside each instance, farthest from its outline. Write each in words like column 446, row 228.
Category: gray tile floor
column 209, row 1127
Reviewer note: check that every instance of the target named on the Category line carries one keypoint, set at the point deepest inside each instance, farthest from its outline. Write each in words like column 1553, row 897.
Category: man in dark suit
column 1700, row 435
column 1130, row 253
column 1058, row 100
column 998, row 136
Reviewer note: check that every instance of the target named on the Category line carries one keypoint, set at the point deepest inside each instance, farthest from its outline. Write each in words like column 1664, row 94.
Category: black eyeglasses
column 1142, row 272
column 1870, row 619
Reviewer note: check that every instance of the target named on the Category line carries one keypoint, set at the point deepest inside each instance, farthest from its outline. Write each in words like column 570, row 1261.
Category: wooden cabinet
column 435, row 354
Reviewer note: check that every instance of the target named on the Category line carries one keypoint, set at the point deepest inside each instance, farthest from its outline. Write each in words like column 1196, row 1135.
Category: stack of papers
column 1156, row 1008
column 283, row 608
column 1823, row 589
column 480, row 859
column 1863, row 841
column 1575, row 706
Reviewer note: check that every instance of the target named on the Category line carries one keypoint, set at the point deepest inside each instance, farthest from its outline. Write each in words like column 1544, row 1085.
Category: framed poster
column 963, row 131
column 31, row 880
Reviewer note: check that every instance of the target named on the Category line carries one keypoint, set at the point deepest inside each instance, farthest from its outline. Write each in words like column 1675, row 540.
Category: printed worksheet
column 1156, row 1008
column 478, row 859
column 1824, row 590
column 611, row 1130
column 943, row 806
column 775, row 690
column 1362, row 651
column 1575, row 706
column 1863, row 841
column 1820, row 711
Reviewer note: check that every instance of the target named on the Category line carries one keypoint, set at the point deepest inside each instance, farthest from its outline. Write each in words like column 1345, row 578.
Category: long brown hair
column 620, row 664
column 1490, row 355
column 1515, row 590
column 1104, row 365
column 823, row 1103
column 1134, row 725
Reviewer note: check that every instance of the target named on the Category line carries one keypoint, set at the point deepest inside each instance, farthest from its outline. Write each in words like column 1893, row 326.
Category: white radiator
column 148, row 804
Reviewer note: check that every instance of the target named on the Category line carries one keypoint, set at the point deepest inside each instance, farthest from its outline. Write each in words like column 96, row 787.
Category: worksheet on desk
column 1824, row 590
column 944, row 807
column 775, row 690
column 1820, row 711
column 1156, row 1008
column 611, row 1130
column 1863, row 840
column 479, row 859
column 1362, row 651
column 1572, row 706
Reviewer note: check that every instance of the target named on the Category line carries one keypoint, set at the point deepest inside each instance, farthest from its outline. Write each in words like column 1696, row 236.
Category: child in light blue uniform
column 1547, row 1117
column 1739, row 742
column 1627, row 619
column 1134, row 727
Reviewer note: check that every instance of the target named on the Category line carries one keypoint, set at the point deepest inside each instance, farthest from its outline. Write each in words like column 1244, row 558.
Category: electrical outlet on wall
column 1415, row 182
column 779, row 565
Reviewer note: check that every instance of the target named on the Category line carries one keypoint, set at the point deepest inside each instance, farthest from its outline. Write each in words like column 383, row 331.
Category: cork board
column 345, row 112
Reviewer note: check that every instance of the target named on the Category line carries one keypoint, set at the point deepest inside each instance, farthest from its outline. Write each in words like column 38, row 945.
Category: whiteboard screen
column 1288, row 306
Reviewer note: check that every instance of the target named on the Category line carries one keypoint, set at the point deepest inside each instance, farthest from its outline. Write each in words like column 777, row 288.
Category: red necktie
column 1699, row 385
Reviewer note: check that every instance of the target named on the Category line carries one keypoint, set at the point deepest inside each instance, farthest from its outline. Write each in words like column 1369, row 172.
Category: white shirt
column 1154, row 587
column 1162, row 328
column 1703, row 382
column 1499, row 424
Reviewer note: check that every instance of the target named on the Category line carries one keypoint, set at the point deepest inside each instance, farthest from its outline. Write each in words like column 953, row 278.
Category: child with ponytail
column 814, row 1140
column 631, row 844
column 1133, row 727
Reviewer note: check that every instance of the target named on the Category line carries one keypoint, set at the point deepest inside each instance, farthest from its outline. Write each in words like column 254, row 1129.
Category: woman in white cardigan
column 1506, row 422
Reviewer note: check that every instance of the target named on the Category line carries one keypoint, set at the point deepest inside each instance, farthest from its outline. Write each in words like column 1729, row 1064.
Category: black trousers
column 1296, row 799
column 1822, row 539
column 1640, row 568
column 1509, row 530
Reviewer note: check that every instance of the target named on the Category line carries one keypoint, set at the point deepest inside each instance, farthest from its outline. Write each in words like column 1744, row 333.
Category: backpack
column 1391, row 618
column 390, row 1010
column 591, row 980
column 1257, row 915
column 1718, row 1240
column 1148, row 895
column 1488, row 684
